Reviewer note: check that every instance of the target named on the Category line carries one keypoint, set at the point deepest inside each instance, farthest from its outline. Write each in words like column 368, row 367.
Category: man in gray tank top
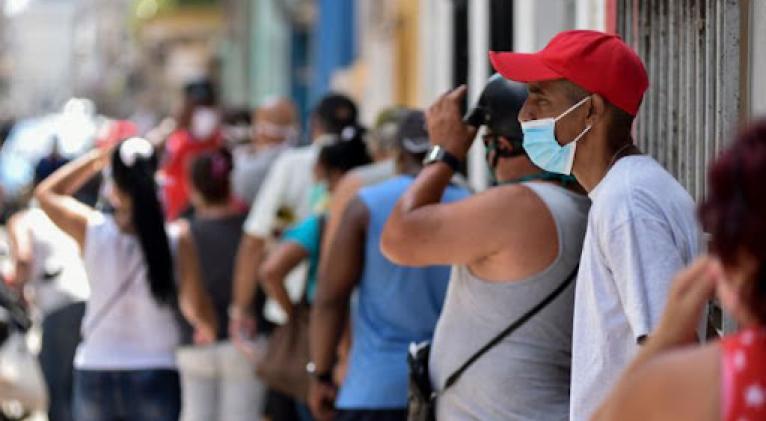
column 511, row 247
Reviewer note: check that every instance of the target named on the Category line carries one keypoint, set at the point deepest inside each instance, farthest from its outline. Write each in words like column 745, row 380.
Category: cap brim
column 522, row 67
column 416, row 146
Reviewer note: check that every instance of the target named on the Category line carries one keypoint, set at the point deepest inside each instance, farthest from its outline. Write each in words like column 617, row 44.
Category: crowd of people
column 359, row 278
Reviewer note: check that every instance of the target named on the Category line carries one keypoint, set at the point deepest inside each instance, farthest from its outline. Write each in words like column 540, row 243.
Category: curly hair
column 734, row 211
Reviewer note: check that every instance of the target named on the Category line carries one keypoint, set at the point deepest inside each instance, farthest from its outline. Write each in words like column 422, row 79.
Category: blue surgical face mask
column 543, row 148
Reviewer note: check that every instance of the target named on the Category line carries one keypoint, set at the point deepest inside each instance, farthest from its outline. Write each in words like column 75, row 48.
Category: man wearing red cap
column 585, row 88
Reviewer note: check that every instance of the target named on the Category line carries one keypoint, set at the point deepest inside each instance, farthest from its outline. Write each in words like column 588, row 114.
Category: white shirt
column 136, row 333
column 58, row 277
column 286, row 189
column 641, row 231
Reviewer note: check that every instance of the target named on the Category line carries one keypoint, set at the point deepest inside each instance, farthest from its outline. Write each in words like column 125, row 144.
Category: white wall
column 41, row 50
column 478, row 44
column 535, row 22
column 435, row 44
column 590, row 14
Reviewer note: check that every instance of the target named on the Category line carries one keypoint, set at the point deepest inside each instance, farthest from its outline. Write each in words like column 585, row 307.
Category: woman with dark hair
column 302, row 240
column 218, row 381
column 672, row 378
column 125, row 364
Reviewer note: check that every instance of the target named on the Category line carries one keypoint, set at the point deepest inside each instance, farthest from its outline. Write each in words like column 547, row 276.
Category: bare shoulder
column 514, row 198
column 679, row 385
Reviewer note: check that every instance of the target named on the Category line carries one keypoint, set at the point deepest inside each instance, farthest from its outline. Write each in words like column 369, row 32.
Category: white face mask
column 204, row 123
column 544, row 149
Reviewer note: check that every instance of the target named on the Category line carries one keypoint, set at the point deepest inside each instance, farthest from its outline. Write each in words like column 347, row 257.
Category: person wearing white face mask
column 199, row 130
column 275, row 124
column 585, row 88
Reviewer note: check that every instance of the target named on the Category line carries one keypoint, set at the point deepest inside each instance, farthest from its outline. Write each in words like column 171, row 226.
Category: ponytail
column 133, row 166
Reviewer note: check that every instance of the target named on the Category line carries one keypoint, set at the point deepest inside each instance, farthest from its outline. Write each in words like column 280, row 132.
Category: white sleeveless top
column 136, row 333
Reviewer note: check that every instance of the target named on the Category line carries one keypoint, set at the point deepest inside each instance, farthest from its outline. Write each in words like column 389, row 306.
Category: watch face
column 433, row 155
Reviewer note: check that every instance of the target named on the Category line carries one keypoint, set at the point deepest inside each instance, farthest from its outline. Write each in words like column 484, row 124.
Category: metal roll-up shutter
column 692, row 52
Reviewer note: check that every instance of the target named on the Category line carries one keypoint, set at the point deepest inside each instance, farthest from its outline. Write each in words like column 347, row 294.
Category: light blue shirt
column 396, row 306
column 308, row 235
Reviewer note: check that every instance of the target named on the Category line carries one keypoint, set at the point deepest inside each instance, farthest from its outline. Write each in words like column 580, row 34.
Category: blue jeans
column 146, row 395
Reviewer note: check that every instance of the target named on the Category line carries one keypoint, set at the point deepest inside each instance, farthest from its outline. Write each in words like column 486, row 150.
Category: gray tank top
column 526, row 376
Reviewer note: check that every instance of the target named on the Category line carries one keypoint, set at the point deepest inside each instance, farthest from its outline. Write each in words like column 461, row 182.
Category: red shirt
column 180, row 151
column 744, row 375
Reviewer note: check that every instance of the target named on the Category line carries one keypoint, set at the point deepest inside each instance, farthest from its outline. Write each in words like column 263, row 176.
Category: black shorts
column 371, row 415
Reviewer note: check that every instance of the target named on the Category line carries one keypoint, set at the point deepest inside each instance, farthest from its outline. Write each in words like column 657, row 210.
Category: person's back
column 124, row 326
column 526, row 376
column 216, row 240
column 396, row 306
column 217, row 381
column 636, row 194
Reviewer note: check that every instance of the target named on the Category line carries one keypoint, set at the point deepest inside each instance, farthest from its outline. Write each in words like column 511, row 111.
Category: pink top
column 744, row 375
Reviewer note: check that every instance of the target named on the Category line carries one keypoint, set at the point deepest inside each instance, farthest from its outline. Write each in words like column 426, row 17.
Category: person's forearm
column 327, row 322
column 197, row 309
column 249, row 257
column 20, row 245
column 275, row 289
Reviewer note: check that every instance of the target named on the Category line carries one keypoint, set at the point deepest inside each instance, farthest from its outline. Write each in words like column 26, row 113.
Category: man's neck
column 510, row 169
column 590, row 172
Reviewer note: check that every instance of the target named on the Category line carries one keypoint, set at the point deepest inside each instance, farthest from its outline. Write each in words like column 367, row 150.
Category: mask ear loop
column 572, row 108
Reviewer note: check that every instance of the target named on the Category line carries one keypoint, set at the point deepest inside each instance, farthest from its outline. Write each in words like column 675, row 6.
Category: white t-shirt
column 136, row 333
column 58, row 275
column 641, row 231
column 286, row 188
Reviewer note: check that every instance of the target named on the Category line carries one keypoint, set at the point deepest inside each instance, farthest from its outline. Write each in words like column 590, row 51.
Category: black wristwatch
column 325, row 377
column 439, row 154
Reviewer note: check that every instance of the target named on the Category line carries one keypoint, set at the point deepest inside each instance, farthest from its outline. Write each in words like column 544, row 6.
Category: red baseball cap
column 596, row 61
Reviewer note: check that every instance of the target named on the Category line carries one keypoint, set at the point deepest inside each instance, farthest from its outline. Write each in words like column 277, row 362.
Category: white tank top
column 136, row 333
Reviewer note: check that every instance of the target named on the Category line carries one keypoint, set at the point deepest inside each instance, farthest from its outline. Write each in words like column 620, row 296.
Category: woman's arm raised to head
column 55, row 194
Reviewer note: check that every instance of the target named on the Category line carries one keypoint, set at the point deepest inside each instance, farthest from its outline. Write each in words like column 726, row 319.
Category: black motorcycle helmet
column 498, row 108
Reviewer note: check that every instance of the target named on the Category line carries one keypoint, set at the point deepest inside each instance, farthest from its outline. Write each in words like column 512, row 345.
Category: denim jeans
column 146, row 395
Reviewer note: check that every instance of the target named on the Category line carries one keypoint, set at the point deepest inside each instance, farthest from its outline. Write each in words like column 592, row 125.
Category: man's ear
column 504, row 143
column 597, row 109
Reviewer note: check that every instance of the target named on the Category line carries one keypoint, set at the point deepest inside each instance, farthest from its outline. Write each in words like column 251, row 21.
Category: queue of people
column 280, row 282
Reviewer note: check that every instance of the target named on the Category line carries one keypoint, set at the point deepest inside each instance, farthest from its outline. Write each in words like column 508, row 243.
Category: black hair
column 137, row 180
column 335, row 112
column 209, row 174
column 347, row 152
column 201, row 92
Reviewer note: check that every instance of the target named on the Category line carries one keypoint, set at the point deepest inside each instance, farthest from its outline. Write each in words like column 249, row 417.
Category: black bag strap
column 451, row 380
